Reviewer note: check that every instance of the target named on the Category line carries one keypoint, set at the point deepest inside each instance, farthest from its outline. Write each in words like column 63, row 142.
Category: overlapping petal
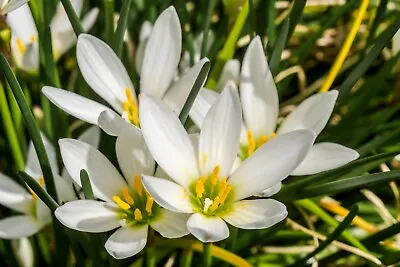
column 202, row 105
column 14, row 196
column 207, row 229
column 171, row 224
column 11, row 5
column 15, row 227
column 127, row 242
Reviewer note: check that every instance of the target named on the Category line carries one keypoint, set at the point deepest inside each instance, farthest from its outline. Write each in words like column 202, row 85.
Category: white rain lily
column 24, row 40
column 7, row 6
column 34, row 213
column 201, row 181
column 145, row 32
column 259, row 99
column 107, row 76
column 123, row 203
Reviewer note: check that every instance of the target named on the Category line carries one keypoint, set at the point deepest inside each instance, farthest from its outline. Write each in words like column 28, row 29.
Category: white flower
column 34, row 213
column 24, row 40
column 106, row 75
column 7, row 6
column 122, row 204
column 202, row 183
column 259, row 99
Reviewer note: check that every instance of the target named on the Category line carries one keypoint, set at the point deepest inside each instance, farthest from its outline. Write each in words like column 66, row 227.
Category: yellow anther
column 129, row 96
column 252, row 143
column 215, row 175
column 223, row 184
column 138, row 215
column 128, row 198
column 122, row 204
column 138, row 184
column 215, row 204
column 20, row 46
column 272, row 135
column 41, row 181
column 149, row 204
column 200, row 187
column 130, row 107
column 34, row 196
column 263, row 139
column 224, row 194
column 33, row 38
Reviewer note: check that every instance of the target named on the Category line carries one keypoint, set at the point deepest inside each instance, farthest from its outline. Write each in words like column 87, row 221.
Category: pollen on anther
column 215, row 204
column 122, row 204
column 149, row 204
column 251, row 143
column 215, row 175
column 41, row 181
column 128, row 198
column 138, row 184
column 263, row 139
column 20, row 45
column 138, row 214
column 200, row 187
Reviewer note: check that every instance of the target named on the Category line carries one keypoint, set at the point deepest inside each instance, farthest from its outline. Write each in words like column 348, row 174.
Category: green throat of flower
column 212, row 195
column 131, row 111
column 137, row 207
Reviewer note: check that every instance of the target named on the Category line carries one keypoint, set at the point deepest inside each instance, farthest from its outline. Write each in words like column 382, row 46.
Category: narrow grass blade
column 118, row 40
column 194, row 91
column 109, row 19
column 86, row 185
column 278, row 48
column 295, row 15
column 73, row 17
column 206, row 27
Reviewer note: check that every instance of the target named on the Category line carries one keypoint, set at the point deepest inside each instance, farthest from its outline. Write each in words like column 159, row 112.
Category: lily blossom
column 201, row 181
column 24, row 40
column 259, row 100
column 123, row 203
column 35, row 215
column 7, row 6
column 107, row 76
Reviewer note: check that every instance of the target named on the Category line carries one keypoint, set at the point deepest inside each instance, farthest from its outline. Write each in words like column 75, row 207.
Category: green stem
column 121, row 28
column 186, row 260
column 206, row 29
column 109, row 20
column 207, row 257
column 86, row 185
column 31, row 125
column 10, row 131
column 73, row 17
column 151, row 250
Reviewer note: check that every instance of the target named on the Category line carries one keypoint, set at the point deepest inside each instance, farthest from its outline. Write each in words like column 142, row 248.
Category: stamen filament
column 122, row 204
column 149, row 204
column 128, row 198
column 138, row 215
column 138, row 184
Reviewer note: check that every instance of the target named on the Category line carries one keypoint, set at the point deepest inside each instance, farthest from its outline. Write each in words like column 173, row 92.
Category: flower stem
column 207, row 256
column 118, row 40
column 109, row 20
column 73, row 17
column 150, row 250
column 186, row 260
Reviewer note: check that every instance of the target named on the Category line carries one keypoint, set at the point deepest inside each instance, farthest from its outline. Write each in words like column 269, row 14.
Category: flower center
column 131, row 111
column 211, row 194
column 254, row 144
column 20, row 45
column 137, row 206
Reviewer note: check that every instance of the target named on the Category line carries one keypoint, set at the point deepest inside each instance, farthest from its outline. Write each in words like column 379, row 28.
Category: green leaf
column 118, row 40
column 206, row 27
column 109, row 19
column 295, row 15
column 333, row 236
column 73, row 17
column 86, row 185
column 278, row 48
column 194, row 92
column 349, row 184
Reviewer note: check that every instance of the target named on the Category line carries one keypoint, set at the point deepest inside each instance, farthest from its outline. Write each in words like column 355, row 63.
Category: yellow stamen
column 149, row 204
column 138, row 184
column 200, row 187
column 252, row 143
column 272, row 135
column 215, row 204
column 33, row 38
column 122, row 204
column 224, row 194
column 128, row 198
column 215, row 175
column 20, row 46
column 130, row 107
column 41, row 181
column 262, row 140
column 34, row 196
column 138, row 215
column 223, row 184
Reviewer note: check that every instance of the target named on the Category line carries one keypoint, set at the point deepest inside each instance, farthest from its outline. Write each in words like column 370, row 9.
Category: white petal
column 12, row 5
column 145, row 31
column 78, row 106
column 207, row 229
column 91, row 136
column 43, row 213
column 14, row 196
column 258, row 91
column 177, row 95
column 24, row 252
column 30, row 59
column 270, row 191
column 104, row 177
column 230, row 72
column 88, row 216
column 256, row 214
column 126, row 242
column 168, row 194
column 32, row 163
column 19, row 226
column 162, row 54
column 171, row 224
column 271, row 163
column 396, row 43
column 202, row 105
column 103, row 70
column 313, row 113
column 89, row 19
column 167, row 140
column 324, row 157
column 133, row 156
column 220, row 133
column 112, row 123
